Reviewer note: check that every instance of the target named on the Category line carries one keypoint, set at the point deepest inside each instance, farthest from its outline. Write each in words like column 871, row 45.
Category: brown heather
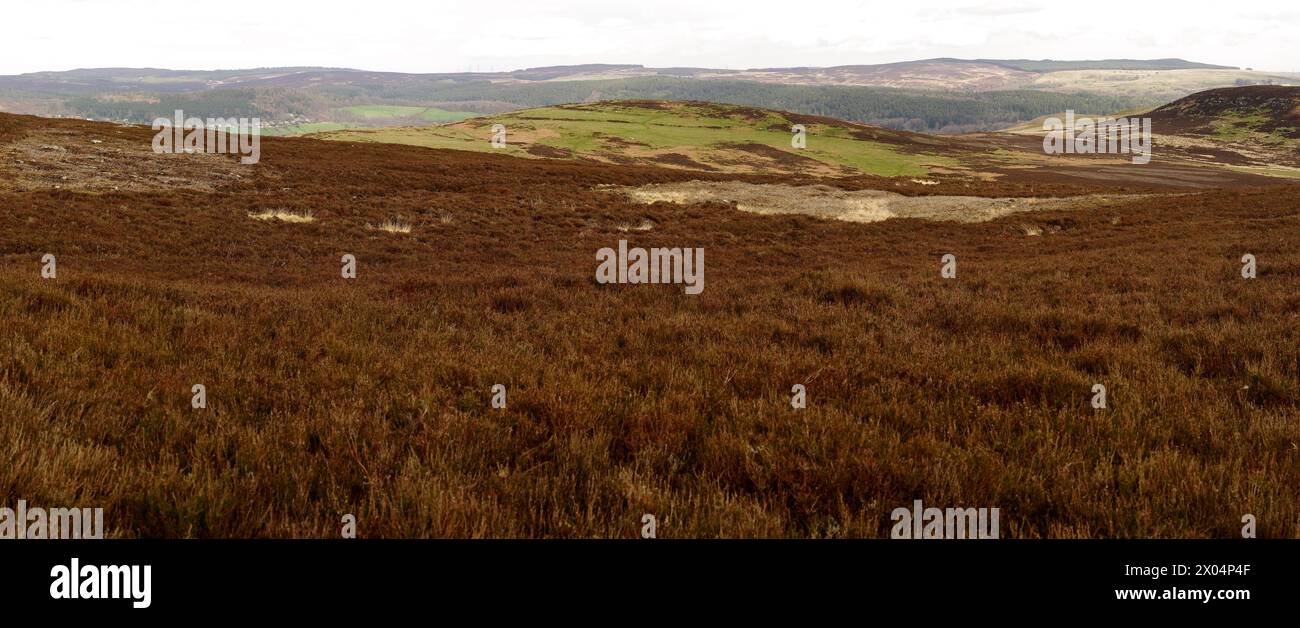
column 328, row 396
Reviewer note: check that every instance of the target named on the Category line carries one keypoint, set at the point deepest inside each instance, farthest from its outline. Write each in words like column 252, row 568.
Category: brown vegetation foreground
column 371, row 396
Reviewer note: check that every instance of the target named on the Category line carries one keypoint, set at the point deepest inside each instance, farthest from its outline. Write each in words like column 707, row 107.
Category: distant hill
column 944, row 73
column 905, row 109
column 938, row 74
column 930, row 95
column 1048, row 65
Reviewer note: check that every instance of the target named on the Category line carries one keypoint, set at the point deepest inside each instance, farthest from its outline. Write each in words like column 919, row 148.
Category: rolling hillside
column 1252, row 129
column 686, row 135
column 931, row 95
column 1231, row 114
column 712, row 137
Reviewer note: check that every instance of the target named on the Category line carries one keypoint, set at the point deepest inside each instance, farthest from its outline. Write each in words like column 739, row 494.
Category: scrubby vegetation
column 371, row 396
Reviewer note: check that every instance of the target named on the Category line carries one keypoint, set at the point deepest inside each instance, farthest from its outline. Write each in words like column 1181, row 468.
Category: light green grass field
column 707, row 134
column 430, row 114
column 303, row 129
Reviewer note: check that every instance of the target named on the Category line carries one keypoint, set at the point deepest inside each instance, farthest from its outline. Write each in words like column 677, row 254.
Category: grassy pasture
column 706, row 134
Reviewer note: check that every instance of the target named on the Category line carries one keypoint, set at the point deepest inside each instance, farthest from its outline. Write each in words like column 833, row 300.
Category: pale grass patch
column 392, row 225
column 645, row 225
column 864, row 206
column 283, row 215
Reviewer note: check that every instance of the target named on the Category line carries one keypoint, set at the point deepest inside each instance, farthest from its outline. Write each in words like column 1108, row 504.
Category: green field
column 430, row 114
column 303, row 129
column 719, row 137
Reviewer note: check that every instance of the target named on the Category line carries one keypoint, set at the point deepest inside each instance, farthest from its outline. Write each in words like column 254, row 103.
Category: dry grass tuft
column 283, row 215
column 644, row 225
column 392, row 225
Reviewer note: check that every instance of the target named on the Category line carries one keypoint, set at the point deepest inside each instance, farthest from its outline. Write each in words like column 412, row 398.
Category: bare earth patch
column 825, row 201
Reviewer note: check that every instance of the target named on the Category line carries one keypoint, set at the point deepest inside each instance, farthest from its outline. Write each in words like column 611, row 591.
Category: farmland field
column 428, row 114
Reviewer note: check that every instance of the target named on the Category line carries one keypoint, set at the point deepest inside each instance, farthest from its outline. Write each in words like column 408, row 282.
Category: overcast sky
column 434, row 36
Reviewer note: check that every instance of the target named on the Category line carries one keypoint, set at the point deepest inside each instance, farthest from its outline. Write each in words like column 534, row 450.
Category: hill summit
column 1234, row 113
